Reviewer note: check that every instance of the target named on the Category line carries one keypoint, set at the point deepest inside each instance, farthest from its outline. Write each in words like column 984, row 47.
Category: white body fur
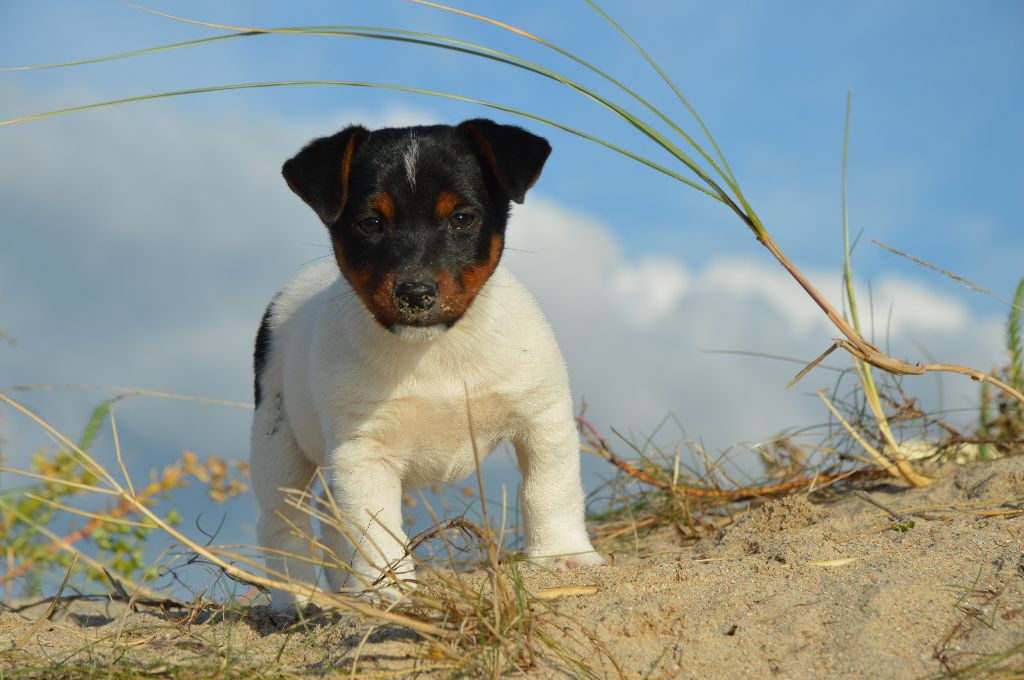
column 376, row 411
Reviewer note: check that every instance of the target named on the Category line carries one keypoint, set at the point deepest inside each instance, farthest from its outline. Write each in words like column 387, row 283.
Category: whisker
column 315, row 259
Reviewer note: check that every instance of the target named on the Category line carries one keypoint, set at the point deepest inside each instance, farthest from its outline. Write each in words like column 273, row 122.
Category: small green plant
column 34, row 556
column 21, row 510
column 1001, row 419
column 902, row 526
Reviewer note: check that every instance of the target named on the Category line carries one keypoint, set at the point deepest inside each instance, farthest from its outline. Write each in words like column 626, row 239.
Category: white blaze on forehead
column 409, row 159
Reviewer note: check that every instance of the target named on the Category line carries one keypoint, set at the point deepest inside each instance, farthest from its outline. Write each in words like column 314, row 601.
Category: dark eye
column 369, row 226
column 462, row 220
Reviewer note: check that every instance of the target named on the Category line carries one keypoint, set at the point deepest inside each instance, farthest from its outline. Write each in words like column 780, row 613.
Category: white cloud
column 919, row 308
column 634, row 331
column 771, row 286
column 649, row 290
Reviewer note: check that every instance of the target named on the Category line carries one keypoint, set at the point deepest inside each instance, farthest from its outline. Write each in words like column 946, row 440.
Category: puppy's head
column 417, row 215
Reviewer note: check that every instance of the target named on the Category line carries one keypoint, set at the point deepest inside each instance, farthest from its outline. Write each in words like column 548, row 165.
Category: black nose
column 415, row 296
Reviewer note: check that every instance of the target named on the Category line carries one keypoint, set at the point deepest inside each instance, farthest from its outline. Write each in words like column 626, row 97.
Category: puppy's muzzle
column 415, row 298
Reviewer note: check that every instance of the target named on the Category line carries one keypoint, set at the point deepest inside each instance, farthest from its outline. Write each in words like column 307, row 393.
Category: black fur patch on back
column 262, row 351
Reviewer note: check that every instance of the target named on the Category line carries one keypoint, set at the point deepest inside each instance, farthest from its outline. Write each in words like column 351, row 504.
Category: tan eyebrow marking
column 446, row 204
column 383, row 204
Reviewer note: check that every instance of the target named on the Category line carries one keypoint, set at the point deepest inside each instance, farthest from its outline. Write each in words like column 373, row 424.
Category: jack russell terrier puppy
column 364, row 365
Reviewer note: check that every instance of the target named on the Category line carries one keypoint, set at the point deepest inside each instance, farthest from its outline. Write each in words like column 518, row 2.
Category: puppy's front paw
column 587, row 559
column 560, row 563
column 385, row 594
column 381, row 589
column 284, row 603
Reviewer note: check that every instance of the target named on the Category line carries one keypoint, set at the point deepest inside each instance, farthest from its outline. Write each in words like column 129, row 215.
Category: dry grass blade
column 117, row 450
column 129, row 391
column 126, row 55
column 866, row 497
column 105, row 518
column 54, row 480
column 49, row 610
column 565, row 591
column 900, row 469
column 840, row 562
column 970, row 285
column 601, row 448
column 810, row 367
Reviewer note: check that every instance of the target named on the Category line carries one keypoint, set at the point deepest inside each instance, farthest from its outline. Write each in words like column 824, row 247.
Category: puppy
column 364, row 365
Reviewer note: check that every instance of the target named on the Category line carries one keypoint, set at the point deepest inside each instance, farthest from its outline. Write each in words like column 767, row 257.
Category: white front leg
column 552, row 495
column 368, row 494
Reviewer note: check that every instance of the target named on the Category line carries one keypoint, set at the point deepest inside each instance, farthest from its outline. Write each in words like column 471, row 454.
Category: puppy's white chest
column 431, row 440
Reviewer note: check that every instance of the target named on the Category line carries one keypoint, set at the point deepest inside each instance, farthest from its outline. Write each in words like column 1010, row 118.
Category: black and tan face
column 417, row 215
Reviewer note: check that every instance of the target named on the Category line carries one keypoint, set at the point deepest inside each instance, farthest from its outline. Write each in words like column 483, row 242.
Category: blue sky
column 138, row 245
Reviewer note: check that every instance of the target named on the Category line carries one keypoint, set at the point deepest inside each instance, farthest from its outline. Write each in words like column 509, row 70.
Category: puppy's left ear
column 513, row 156
column 319, row 174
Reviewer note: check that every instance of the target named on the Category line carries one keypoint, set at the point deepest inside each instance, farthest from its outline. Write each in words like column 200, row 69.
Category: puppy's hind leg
column 284, row 531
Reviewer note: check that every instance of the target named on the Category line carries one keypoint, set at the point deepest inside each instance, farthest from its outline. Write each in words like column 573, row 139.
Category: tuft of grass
column 685, row 491
column 977, row 606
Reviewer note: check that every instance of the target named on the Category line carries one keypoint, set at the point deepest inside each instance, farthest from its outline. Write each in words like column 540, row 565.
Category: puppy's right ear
column 319, row 174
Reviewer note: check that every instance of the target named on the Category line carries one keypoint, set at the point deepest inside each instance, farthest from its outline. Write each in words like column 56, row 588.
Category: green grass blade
column 728, row 175
column 92, row 428
column 984, row 420
column 132, row 53
column 382, row 86
column 847, row 268
column 1013, row 339
column 747, row 214
column 864, row 371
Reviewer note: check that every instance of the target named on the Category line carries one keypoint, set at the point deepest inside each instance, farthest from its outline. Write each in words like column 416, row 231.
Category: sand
column 791, row 589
